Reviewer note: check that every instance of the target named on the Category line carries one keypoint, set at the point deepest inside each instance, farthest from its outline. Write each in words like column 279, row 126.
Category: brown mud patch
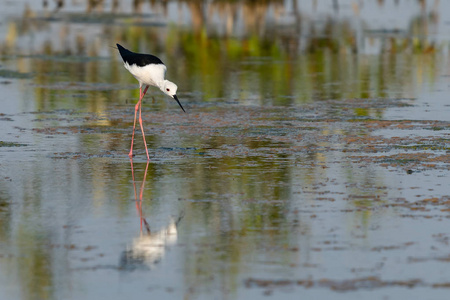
column 275, row 132
column 364, row 283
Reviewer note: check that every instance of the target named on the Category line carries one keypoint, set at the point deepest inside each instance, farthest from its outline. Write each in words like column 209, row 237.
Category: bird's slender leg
column 140, row 122
column 136, row 108
column 134, row 123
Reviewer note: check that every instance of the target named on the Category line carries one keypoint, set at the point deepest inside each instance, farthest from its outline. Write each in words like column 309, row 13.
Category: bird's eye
column 168, row 90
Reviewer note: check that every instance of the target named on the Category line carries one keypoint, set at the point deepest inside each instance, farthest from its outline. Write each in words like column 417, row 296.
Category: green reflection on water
column 279, row 67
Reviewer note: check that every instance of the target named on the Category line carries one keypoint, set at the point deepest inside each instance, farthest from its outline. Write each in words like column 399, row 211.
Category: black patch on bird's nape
column 141, row 60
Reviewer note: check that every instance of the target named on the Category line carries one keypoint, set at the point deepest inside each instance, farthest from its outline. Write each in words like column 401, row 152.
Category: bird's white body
column 152, row 74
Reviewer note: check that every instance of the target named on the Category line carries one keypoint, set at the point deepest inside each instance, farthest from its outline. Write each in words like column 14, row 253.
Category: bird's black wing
column 138, row 59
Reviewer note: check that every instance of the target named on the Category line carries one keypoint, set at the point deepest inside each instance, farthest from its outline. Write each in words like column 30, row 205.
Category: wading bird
column 149, row 71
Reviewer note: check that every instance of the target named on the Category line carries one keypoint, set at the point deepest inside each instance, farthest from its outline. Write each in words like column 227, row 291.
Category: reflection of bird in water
column 149, row 71
column 149, row 248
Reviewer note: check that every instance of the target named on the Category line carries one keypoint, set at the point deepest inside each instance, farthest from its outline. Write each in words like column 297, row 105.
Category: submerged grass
column 14, row 74
column 11, row 144
column 423, row 147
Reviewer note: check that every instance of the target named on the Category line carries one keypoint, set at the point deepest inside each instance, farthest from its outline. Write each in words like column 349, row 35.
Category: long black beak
column 175, row 97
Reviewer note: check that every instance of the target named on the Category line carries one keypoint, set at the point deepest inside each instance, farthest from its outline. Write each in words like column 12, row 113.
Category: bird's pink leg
column 134, row 124
column 136, row 108
column 140, row 122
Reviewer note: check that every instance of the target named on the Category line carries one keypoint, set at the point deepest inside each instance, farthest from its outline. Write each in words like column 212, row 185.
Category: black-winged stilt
column 148, row 70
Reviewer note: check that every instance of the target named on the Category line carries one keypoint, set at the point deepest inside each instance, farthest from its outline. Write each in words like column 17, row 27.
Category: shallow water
column 312, row 161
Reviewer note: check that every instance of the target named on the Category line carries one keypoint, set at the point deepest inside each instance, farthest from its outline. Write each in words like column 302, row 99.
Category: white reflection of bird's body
column 149, row 248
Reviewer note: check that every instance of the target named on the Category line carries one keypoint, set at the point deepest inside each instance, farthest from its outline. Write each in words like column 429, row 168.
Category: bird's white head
column 169, row 88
